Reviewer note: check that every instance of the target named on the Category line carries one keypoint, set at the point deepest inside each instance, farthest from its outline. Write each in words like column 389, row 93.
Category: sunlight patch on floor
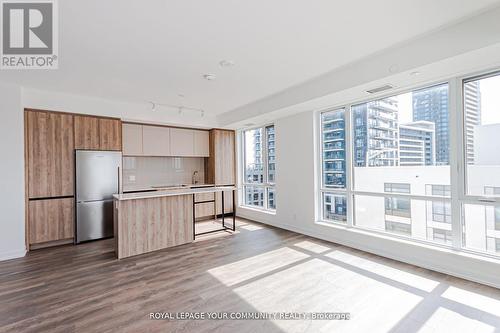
column 446, row 320
column 317, row 285
column 250, row 227
column 249, row 268
column 312, row 247
column 399, row 275
column 474, row 300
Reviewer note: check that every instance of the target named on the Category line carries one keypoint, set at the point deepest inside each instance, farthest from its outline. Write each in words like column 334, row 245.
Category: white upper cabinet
column 132, row 139
column 201, row 146
column 156, row 141
column 149, row 140
column 181, row 142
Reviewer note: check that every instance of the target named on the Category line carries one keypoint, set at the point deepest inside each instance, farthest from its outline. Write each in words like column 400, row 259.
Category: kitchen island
column 150, row 221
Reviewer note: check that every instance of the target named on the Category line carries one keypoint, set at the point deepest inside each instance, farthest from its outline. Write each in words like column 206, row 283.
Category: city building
column 376, row 133
column 334, row 172
column 431, row 104
column 472, row 110
column 417, row 143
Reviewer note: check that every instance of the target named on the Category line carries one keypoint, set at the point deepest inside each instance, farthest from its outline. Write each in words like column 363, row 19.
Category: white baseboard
column 12, row 254
column 467, row 266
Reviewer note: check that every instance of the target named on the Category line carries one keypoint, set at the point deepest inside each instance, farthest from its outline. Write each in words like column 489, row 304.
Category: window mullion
column 264, row 167
column 456, row 159
column 349, row 166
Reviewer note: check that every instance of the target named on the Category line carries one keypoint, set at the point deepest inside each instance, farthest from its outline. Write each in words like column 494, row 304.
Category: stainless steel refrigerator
column 98, row 177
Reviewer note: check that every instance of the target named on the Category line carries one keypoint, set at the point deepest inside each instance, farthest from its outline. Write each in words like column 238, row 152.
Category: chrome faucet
column 194, row 179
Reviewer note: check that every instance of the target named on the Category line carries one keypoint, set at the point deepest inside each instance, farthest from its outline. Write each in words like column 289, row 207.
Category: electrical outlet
column 131, row 178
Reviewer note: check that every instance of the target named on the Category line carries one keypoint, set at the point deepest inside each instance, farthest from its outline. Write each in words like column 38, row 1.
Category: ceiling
column 156, row 50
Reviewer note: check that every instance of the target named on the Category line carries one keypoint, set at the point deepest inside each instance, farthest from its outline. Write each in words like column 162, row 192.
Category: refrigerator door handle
column 90, row 201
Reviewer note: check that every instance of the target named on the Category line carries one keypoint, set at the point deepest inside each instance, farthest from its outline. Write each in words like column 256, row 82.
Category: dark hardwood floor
column 85, row 289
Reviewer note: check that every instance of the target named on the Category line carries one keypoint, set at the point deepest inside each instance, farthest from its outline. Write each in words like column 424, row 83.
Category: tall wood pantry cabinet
column 50, row 142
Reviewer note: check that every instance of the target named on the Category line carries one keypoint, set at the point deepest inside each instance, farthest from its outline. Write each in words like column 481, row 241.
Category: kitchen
column 245, row 166
column 83, row 172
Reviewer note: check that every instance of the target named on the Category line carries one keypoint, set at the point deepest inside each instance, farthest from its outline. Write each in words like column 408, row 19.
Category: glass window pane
column 481, row 228
column 271, row 198
column 254, row 196
column 334, row 207
column 254, row 171
column 403, row 139
column 333, row 148
column 405, row 217
column 482, row 135
column 271, row 155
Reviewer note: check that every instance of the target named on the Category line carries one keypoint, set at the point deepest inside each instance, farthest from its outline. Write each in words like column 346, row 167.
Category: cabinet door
column 110, row 134
column 181, row 142
column 50, row 154
column 50, row 220
column 228, row 202
column 221, row 164
column 87, row 133
column 132, row 139
column 156, row 141
column 201, row 143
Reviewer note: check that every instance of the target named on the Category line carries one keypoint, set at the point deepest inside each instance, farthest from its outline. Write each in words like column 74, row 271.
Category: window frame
column 265, row 185
column 457, row 161
column 349, row 190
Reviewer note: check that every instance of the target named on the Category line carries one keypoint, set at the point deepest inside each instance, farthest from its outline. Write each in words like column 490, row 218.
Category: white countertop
column 138, row 188
column 172, row 192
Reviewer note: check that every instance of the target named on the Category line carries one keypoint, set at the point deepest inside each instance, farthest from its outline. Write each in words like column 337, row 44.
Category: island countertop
column 169, row 193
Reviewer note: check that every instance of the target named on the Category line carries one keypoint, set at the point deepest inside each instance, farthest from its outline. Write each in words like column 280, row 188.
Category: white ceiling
column 140, row 51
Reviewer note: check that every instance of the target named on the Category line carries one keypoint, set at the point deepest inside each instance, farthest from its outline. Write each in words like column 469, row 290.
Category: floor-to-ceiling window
column 259, row 167
column 481, row 134
column 386, row 164
column 333, row 167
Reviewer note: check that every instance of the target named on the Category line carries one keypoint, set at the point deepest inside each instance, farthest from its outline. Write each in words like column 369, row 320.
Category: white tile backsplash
column 157, row 171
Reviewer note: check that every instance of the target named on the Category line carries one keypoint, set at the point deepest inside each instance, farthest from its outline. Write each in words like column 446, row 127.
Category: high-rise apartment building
column 334, row 171
column 417, row 143
column 376, row 133
column 431, row 104
column 472, row 108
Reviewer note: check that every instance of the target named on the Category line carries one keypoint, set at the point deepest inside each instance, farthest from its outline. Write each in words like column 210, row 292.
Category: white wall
column 295, row 202
column 12, row 243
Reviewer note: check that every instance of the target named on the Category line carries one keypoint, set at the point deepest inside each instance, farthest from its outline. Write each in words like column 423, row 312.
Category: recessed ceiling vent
column 380, row 89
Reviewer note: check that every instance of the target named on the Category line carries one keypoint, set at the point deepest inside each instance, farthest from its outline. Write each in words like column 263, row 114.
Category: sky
column 490, row 100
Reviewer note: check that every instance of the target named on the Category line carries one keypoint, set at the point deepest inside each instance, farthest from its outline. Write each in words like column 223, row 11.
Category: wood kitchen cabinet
column 205, row 209
column 49, row 152
column 220, row 166
column 86, row 132
column 50, row 220
column 228, row 202
column 96, row 133
column 132, row 139
column 110, row 134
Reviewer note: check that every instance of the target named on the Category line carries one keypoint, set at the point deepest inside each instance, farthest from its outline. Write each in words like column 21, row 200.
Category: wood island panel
column 146, row 225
